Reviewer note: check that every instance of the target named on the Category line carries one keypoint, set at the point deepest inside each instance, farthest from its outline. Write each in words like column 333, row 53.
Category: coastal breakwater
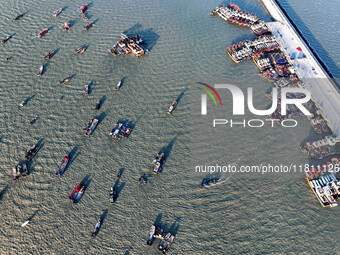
column 309, row 67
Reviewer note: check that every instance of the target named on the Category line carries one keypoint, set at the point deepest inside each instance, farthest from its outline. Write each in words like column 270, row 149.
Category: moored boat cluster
column 328, row 146
column 128, row 45
column 276, row 67
column 324, row 183
column 233, row 13
column 246, row 49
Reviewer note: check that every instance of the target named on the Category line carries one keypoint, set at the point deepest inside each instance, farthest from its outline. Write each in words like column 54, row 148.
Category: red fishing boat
column 67, row 26
column 87, row 27
column 83, row 9
column 57, row 12
column 49, row 55
column 42, row 33
column 65, row 80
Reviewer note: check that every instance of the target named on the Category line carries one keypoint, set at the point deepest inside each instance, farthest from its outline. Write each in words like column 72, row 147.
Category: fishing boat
column 33, row 121
column 23, row 103
column 116, row 129
column 32, row 152
column 77, row 193
column 40, row 71
column 209, row 182
column 98, row 104
column 67, row 26
column 96, row 228
column 113, row 195
column 118, row 85
column 172, row 107
column 65, row 80
column 25, row 223
column 86, row 89
column 85, row 17
column 165, row 244
column 90, row 126
column 83, row 9
column 20, row 171
column 151, row 235
column 42, row 33
column 142, row 180
column 49, row 55
column 80, row 50
column 159, row 233
column 57, row 12
column 325, row 186
column 88, row 26
column 63, row 165
column 158, row 162
column 18, row 16
column 6, row 39
column 120, row 131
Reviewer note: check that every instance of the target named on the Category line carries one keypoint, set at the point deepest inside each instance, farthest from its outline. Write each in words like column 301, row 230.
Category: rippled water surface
column 186, row 45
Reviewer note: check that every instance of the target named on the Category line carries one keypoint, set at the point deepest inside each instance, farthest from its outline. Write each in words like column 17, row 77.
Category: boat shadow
column 86, row 181
column 56, row 51
column 167, row 149
column 33, row 215
column 145, row 176
column 30, row 98
column 95, row 21
column 91, row 85
column 130, row 123
column 64, row 8
column 175, row 227
column 118, row 188
column 100, row 101
column 73, row 155
column 10, row 37
column 29, row 163
column 86, row 46
column 158, row 220
column 122, row 81
column 101, row 117
column 45, row 67
column 89, row 5
column 3, row 192
column 149, row 35
column 23, row 14
column 102, row 218
column 88, row 15
column 120, row 172
column 182, row 94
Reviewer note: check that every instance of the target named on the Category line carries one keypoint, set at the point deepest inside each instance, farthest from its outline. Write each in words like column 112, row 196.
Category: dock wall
column 311, row 70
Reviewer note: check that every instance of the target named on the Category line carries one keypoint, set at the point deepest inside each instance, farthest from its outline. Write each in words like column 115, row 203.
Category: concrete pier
column 325, row 91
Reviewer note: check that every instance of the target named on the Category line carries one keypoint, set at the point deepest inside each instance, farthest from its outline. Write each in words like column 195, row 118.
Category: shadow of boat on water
column 149, row 35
